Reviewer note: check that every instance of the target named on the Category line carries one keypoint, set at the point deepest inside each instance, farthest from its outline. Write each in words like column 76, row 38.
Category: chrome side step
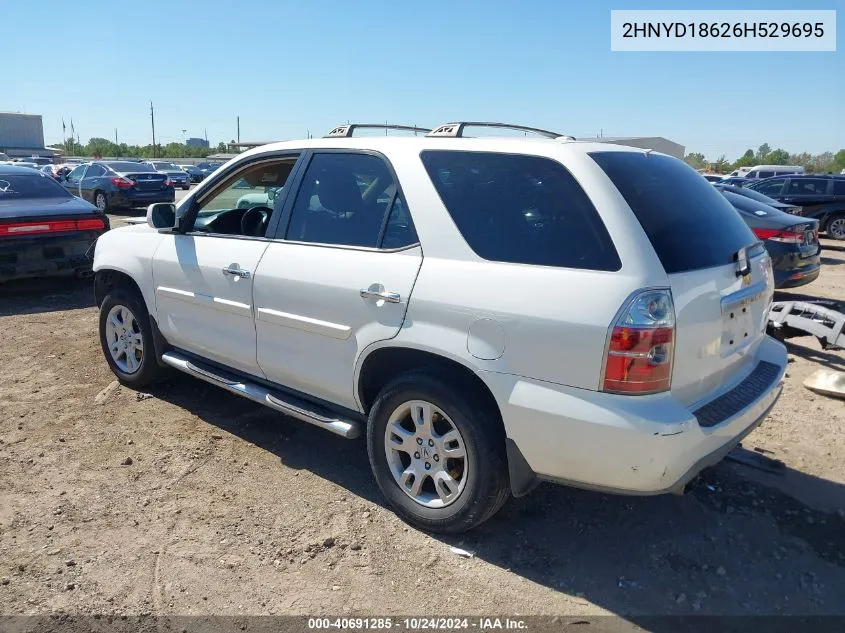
column 289, row 405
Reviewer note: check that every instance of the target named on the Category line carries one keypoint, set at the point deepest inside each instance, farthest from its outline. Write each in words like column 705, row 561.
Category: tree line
column 104, row 147
column 765, row 155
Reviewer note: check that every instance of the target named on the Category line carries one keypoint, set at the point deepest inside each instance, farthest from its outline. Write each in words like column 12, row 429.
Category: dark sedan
column 176, row 174
column 195, row 173
column 208, row 168
column 111, row 184
column 44, row 231
column 792, row 242
column 737, row 181
column 759, row 197
column 820, row 196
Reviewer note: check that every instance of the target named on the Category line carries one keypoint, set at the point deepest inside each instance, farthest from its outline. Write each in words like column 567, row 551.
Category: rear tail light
column 57, row 226
column 122, row 183
column 168, row 183
column 640, row 348
column 784, row 237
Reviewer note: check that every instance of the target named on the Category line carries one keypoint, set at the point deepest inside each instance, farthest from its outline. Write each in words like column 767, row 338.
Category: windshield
column 123, row 167
column 36, row 185
column 755, row 195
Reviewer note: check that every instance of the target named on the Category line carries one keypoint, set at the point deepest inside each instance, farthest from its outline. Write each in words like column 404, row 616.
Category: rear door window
column 522, row 209
column 772, row 187
column 807, row 187
column 689, row 223
column 839, row 187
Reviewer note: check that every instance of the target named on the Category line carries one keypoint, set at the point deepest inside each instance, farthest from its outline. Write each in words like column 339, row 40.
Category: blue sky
column 287, row 68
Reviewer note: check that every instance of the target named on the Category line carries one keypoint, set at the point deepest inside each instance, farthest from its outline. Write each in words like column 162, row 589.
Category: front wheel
column 437, row 455
column 836, row 227
column 126, row 337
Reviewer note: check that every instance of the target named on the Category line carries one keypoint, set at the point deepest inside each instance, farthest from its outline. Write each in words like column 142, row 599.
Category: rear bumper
column 792, row 270
column 641, row 445
column 140, row 198
column 46, row 256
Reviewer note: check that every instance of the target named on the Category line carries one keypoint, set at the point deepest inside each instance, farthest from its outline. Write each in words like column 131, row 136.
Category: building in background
column 22, row 135
column 196, row 142
column 656, row 143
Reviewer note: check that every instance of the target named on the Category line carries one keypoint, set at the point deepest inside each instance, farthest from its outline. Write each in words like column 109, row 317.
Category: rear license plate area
column 738, row 327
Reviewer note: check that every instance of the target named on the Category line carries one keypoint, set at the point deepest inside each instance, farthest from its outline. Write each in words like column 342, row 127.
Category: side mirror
column 163, row 215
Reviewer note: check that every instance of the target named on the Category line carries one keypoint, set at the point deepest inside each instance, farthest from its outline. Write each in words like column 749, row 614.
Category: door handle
column 389, row 297
column 237, row 272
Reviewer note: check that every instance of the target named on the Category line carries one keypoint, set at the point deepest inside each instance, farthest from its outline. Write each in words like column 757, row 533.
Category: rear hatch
column 718, row 271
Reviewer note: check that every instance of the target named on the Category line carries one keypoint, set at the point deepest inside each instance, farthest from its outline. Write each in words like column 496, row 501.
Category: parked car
column 489, row 312
column 177, row 175
column 27, row 164
column 208, row 168
column 44, row 231
column 759, row 197
column 712, row 177
column 767, row 171
column 736, row 181
column 195, row 173
column 792, row 242
column 4, row 158
column 112, row 184
column 821, row 197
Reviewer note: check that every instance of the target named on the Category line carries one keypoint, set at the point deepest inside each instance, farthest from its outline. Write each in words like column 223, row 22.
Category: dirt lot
column 229, row 508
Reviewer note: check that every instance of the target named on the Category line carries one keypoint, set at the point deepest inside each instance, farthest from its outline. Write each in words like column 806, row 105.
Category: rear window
column 839, row 187
column 26, row 186
column 521, row 209
column 124, row 167
column 689, row 223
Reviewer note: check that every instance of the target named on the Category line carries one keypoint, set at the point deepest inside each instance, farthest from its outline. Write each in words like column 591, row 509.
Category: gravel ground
column 188, row 500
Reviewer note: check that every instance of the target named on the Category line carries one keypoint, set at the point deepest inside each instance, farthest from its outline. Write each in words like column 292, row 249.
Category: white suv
column 489, row 312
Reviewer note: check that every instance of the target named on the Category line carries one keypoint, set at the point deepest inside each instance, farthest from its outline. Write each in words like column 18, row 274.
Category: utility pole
column 115, row 136
column 153, row 122
column 239, row 129
column 205, row 132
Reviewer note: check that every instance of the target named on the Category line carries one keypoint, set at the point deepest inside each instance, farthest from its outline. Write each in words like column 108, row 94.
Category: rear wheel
column 836, row 227
column 126, row 337
column 438, row 455
column 101, row 201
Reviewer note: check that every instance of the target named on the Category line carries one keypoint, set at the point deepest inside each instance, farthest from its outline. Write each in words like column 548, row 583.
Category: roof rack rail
column 345, row 131
column 456, row 129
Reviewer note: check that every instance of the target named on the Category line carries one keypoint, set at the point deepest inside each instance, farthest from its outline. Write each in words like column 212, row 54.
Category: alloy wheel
column 836, row 228
column 125, row 340
column 426, row 454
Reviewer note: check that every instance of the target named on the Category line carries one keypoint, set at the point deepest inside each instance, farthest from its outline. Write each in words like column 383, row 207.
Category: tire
column 836, row 227
column 139, row 372
column 100, row 198
column 482, row 472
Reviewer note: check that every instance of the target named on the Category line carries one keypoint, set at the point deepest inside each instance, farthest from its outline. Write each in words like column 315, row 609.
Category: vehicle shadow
column 829, row 245
column 830, row 261
column 47, row 294
column 734, row 545
column 834, row 361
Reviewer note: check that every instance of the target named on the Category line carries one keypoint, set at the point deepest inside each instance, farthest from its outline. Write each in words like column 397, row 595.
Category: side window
column 95, row 171
column 839, row 187
column 343, row 200
column 399, row 231
column 765, row 174
column 522, row 209
column 244, row 202
column 807, row 186
column 76, row 174
column 771, row 187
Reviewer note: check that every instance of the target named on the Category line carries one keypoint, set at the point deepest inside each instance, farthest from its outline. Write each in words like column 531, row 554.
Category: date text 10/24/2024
column 418, row 624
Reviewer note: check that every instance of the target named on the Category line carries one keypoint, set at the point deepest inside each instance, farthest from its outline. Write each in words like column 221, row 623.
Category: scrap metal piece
column 827, row 383
column 804, row 318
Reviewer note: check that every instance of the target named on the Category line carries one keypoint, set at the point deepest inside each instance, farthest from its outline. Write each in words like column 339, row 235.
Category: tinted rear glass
column 36, row 185
column 839, row 187
column 521, row 209
column 125, row 167
column 689, row 223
